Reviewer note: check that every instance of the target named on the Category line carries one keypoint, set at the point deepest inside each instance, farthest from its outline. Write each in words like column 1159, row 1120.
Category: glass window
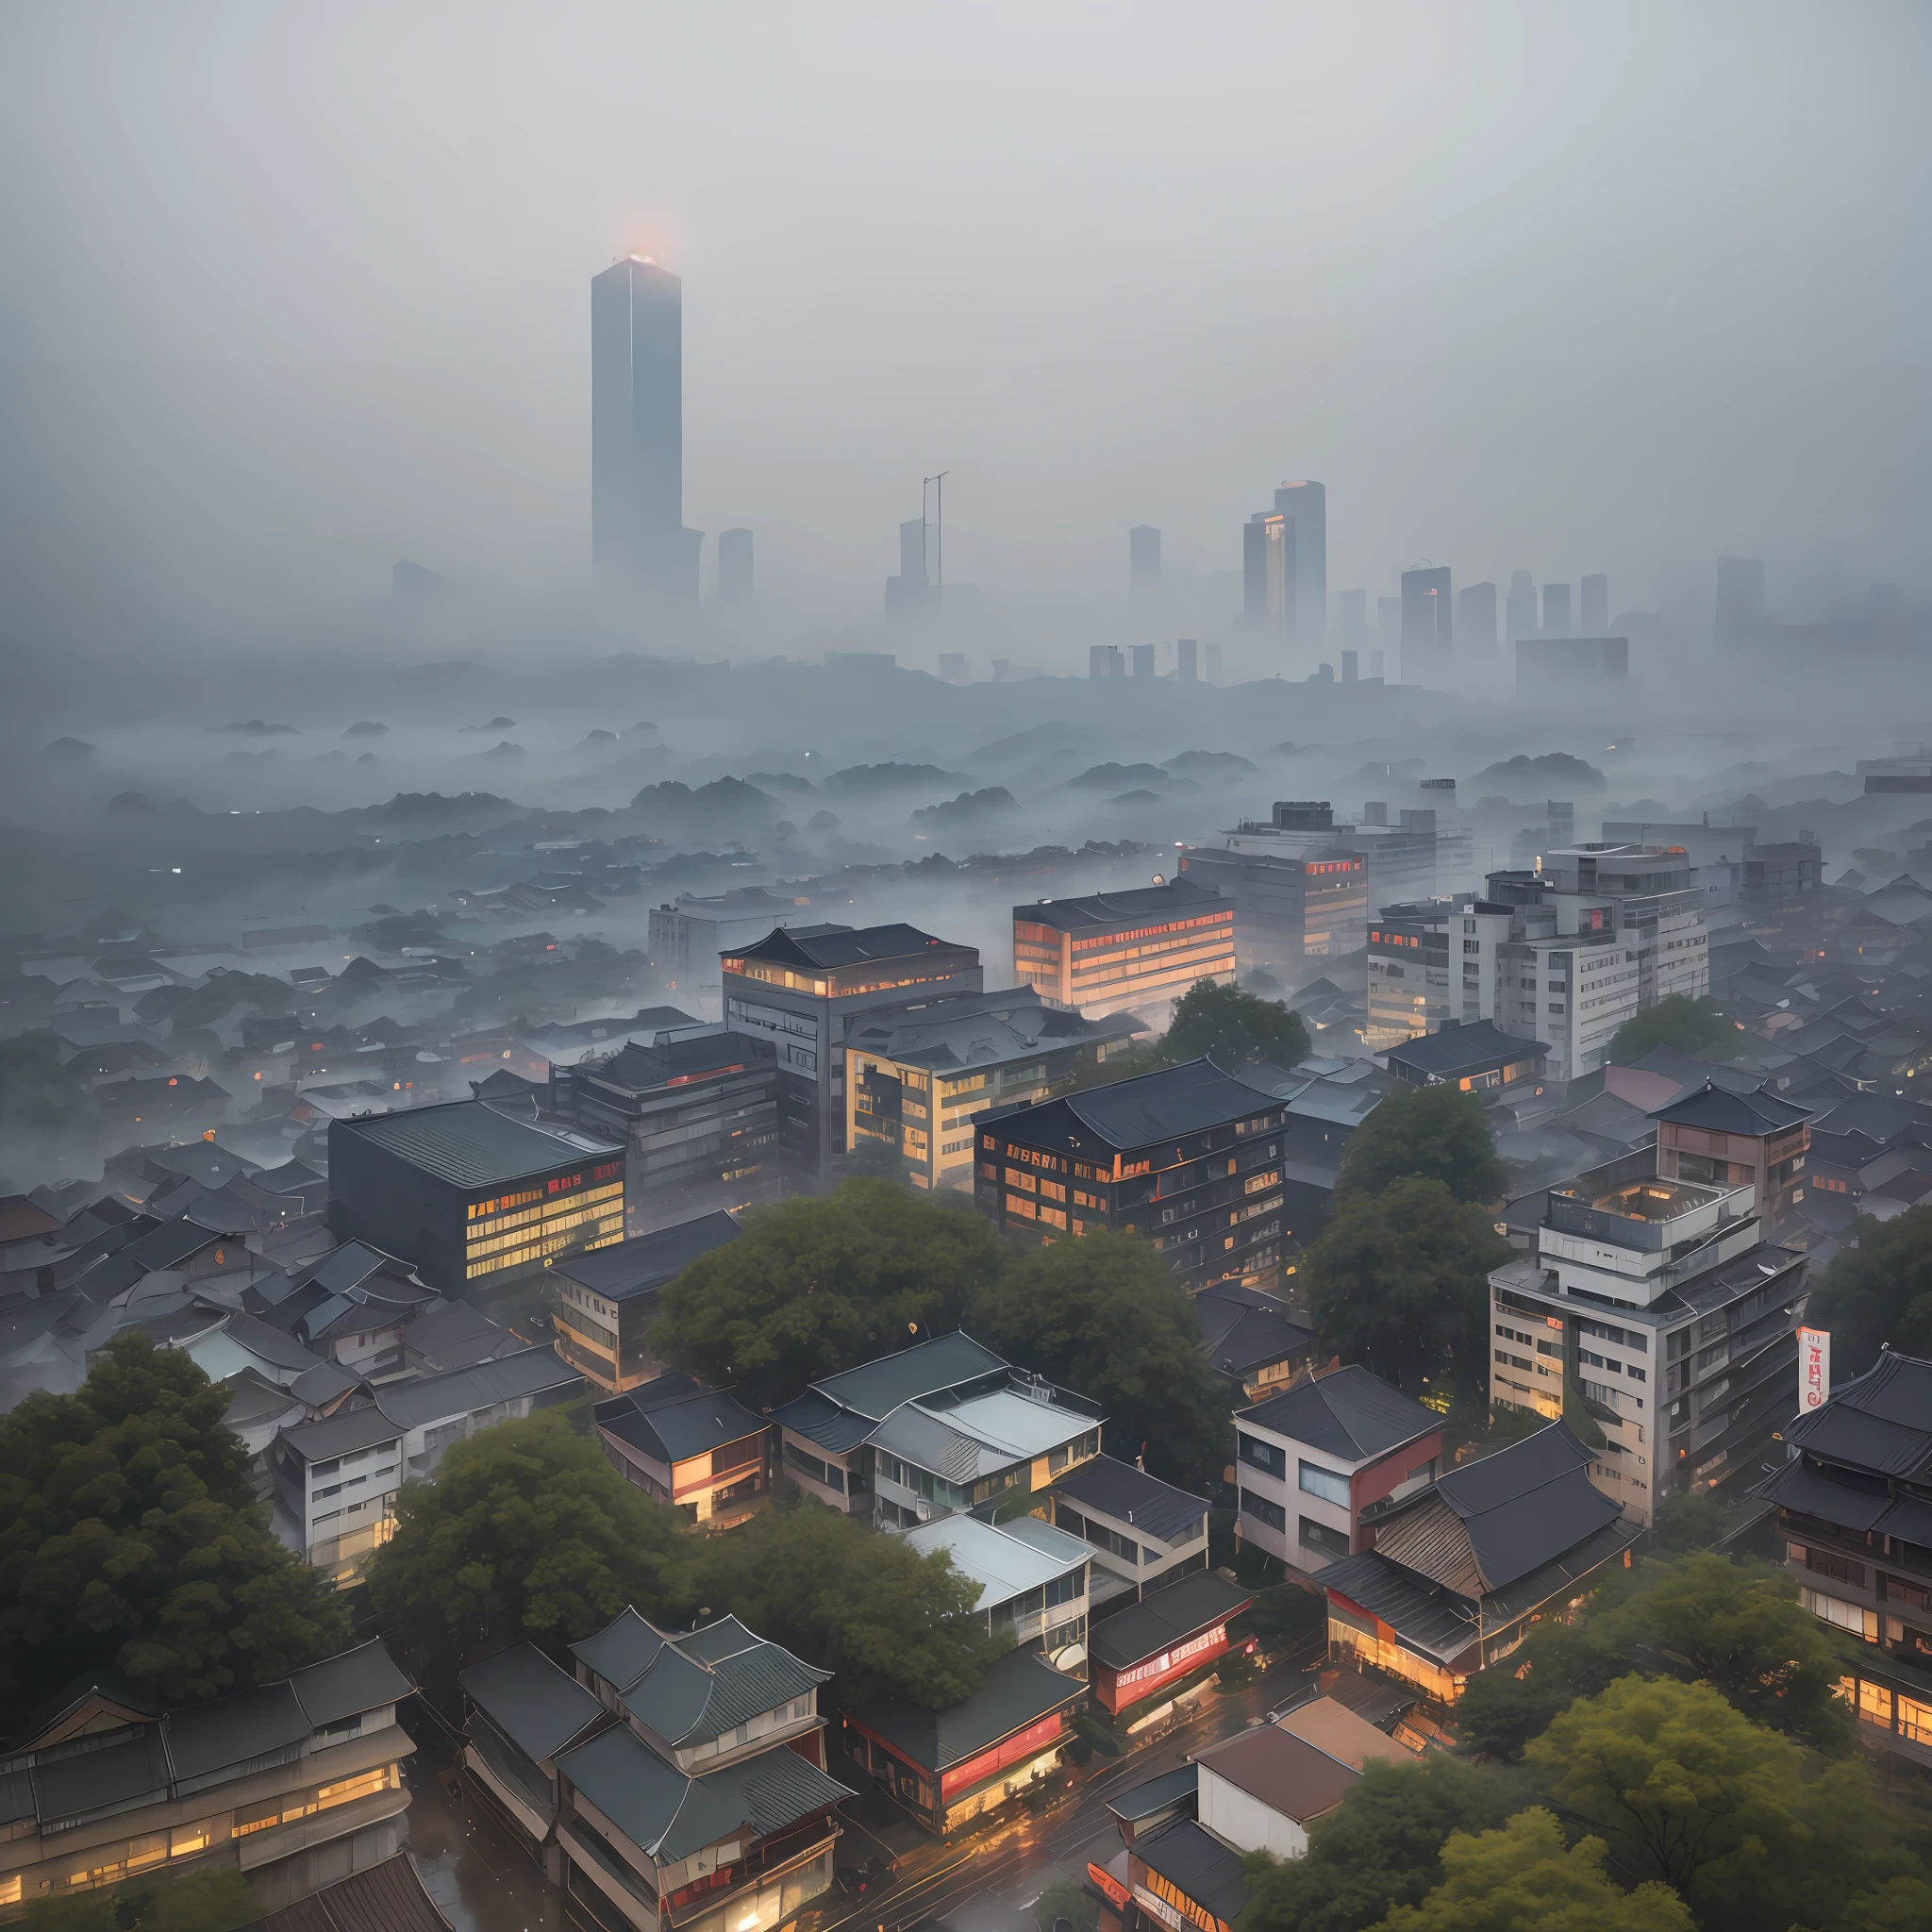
column 1264, row 1456
column 1330, row 1484
column 1262, row 1510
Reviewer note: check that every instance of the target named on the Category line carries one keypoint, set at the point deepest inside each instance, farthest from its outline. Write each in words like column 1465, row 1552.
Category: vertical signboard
column 1814, row 1369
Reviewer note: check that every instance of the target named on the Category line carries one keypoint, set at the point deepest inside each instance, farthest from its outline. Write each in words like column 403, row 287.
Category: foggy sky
column 291, row 293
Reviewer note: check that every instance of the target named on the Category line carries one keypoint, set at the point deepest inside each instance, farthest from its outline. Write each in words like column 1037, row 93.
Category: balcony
column 1649, row 1215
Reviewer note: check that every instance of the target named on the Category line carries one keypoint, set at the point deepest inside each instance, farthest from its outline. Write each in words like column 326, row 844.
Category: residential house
column 1142, row 1652
column 351, row 1306
column 1320, row 1462
column 1031, row 1578
column 522, row 1713
column 694, row 1448
column 298, row 1782
column 1142, row 1532
column 1461, row 1569
column 391, row 1895
column 1252, row 1338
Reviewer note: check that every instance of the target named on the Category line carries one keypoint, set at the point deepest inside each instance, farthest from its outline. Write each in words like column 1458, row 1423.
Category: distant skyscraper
column 1268, row 596
column 1557, row 610
column 638, row 539
column 1519, row 618
column 1595, row 611
column 1350, row 666
column 734, row 568
column 1103, row 662
column 1740, row 599
column 1187, row 661
column 1140, row 658
column 911, row 591
column 1351, row 615
column 1425, row 623
column 1144, row 560
column 1305, row 507
column 1476, row 623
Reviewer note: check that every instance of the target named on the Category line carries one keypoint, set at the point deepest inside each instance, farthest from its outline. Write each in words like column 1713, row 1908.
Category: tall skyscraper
column 1188, row 661
column 1268, row 597
column 638, row 544
column 1557, row 610
column 911, row 592
column 1595, row 611
column 1144, row 560
column 1740, row 599
column 734, row 569
column 1305, row 507
column 1519, row 620
column 1351, row 616
column 1425, row 623
column 1476, row 623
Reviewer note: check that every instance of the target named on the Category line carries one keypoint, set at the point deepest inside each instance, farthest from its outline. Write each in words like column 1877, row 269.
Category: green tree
column 1103, row 1316
column 1399, row 1282
column 896, row 1627
column 1232, row 1027
column 1503, row 1708
column 396, row 930
column 528, row 1532
column 1523, row 1879
column 1692, row 1026
column 1740, row 1630
column 1878, row 1289
column 38, row 1098
column 1124, row 1063
column 815, row 1286
column 1689, row 1792
column 216, row 1900
column 1440, row 1133
column 132, row 1541
column 1380, row 1848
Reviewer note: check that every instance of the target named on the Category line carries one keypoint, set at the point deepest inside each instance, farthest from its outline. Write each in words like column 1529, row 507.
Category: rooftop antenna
column 938, row 485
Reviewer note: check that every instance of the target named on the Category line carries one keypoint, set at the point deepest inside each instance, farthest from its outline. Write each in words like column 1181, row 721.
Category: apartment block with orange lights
column 1116, row 952
column 1189, row 1159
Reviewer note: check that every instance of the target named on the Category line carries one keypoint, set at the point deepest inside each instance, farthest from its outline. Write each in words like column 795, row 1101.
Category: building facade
column 1289, row 906
column 696, row 1449
column 1115, row 952
column 1189, row 1159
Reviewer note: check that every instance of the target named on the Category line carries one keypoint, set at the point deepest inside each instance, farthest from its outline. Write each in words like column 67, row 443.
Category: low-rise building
column 1032, row 1581
column 705, row 1805
column 1251, row 1339
column 1320, row 1463
column 607, row 1299
column 296, row 1782
column 1460, row 1570
column 696, row 1449
column 522, row 1713
column 1189, row 1158
column 916, row 1075
column 947, row 1767
column 1114, row 951
column 1855, row 1520
column 1143, row 1533
column 1475, row 1055
column 1144, row 1649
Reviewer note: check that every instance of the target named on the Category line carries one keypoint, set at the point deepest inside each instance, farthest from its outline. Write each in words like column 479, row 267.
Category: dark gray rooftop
column 210, row 1738
column 875, row 1389
column 1140, row 1112
column 1880, row 1422
column 424, row 1399
column 824, row 951
column 1165, row 1617
column 1019, row 1688
column 469, row 1145
column 1104, row 911
column 348, row 1429
column 648, row 1260
column 1198, row 1865
column 539, row 1708
column 1349, row 1414
column 1131, row 1496
column 359, row 1679
column 1455, row 1051
column 1723, row 1110
column 688, row 1422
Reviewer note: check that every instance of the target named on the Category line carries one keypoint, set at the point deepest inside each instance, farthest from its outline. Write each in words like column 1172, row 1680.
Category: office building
column 1854, row 1531
column 1144, row 560
column 476, row 1201
column 1299, row 891
column 1305, row 507
column 638, row 544
column 1105, row 662
column 688, row 940
column 1460, row 1571
column 1567, row 664
column 1427, row 627
column 1671, row 1318
column 802, row 988
column 1117, row 951
column 296, row 1782
column 1267, row 587
column 1555, row 622
column 1187, row 660
column 1520, row 614
column 1740, row 617
column 916, row 1075
column 695, row 1449
column 1476, row 623
column 698, row 1119
column 1189, row 1159
column 734, row 569
column 697, row 1794
column 1141, row 659
column 606, row 1300
column 1405, row 855
column 910, row 593
column 1351, row 664
column 1321, row 1463
column 1414, row 984
column 1593, row 610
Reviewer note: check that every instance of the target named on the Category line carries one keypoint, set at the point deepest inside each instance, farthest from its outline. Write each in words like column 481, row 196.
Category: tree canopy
column 218, row 1899
column 1523, row 1879
column 528, row 1532
column 815, row 1286
column 1440, row 1133
column 1233, row 1026
column 893, row 1624
column 132, row 1541
column 1398, row 1282
column 1878, row 1292
column 1104, row 1315
column 38, row 1098
column 1380, row 1848
column 1692, row 1026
